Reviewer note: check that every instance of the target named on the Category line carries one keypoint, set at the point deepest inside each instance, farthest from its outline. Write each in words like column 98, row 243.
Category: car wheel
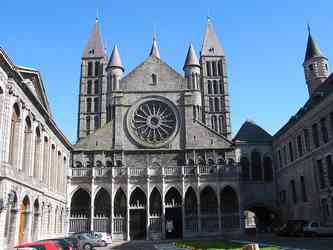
column 87, row 247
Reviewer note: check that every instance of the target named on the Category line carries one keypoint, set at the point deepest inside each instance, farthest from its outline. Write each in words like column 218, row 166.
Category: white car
column 104, row 236
column 314, row 228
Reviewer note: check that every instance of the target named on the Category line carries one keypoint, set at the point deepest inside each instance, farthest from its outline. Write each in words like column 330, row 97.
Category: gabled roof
column 191, row 58
column 94, row 47
column 319, row 95
column 251, row 132
column 211, row 45
column 312, row 50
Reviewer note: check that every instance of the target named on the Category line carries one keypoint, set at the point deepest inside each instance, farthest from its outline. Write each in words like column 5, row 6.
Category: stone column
column 92, row 210
column 6, row 116
column 128, row 212
column 163, row 205
column 183, row 202
column 112, row 209
column 147, row 210
column 219, row 209
column 199, row 211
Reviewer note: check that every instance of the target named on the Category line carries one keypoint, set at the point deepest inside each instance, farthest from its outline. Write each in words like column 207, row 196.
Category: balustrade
column 81, row 172
column 138, row 172
column 100, row 172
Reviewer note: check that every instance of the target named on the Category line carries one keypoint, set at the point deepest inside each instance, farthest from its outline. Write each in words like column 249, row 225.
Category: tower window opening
column 214, row 68
column 89, row 83
column 311, row 67
column 96, row 87
column 96, row 68
column 209, row 87
column 326, row 66
column 208, row 65
column 154, row 79
column 91, row 51
column 90, row 66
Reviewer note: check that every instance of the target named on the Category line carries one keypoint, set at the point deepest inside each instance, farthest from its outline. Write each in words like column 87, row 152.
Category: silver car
column 87, row 241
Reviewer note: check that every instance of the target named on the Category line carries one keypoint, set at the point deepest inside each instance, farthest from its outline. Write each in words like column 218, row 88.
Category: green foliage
column 214, row 245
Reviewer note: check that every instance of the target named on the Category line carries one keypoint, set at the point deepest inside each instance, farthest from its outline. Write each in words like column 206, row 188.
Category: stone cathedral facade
column 154, row 157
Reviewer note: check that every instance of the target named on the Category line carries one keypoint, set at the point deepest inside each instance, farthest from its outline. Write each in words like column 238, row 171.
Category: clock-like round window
column 153, row 122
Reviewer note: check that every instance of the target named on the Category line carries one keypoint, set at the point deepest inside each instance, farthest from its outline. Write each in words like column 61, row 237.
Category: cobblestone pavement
column 286, row 243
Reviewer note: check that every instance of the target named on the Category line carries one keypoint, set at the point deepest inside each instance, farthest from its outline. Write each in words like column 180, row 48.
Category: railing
column 102, row 224
column 225, row 171
column 79, row 223
column 119, row 224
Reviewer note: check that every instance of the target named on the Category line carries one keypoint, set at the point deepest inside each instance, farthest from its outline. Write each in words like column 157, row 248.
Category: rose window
column 153, row 122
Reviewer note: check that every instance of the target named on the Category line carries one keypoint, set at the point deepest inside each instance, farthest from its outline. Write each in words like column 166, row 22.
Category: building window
column 214, row 68
column 88, row 105
column 323, row 129
column 291, row 151
column 329, row 166
column 293, row 191
column 90, row 66
column 321, row 174
column 209, row 87
column 154, row 78
column 217, row 105
column 280, row 159
column 315, row 136
column 211, row 105
column 208, row 66
column 96, row 87
column 215, row 86
column 96, row 122
column 96, row 68
column 89, row 87
column 306, row 139
column 299, row 146
column 96, row 105
column 221, row 124
column 268, row 169
column 256, row 165
column 285, row 155
column 311, row 67
column 221, row 87
column 220, row 68
column 304, row 196
column 88, row 123
column 214, row 122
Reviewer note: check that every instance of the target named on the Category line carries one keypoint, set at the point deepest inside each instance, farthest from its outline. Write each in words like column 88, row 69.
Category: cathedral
column 155, row 157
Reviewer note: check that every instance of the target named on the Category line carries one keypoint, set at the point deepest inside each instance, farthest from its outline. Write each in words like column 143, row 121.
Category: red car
column 47, row 245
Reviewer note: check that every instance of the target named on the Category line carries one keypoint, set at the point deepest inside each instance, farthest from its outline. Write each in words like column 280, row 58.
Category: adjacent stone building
column 34, row 158
column 303, row 147
column 155, row 156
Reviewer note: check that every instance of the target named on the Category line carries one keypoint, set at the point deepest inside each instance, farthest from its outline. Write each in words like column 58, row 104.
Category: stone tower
column 92, row 97
column 215, row 96
column 315, row 65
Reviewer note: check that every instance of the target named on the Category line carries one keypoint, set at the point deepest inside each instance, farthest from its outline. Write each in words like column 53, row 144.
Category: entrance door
column 173, row 223
column 138, row 222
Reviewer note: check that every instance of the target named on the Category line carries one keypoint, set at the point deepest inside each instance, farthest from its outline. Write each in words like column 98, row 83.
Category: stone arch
column 102, row 203
column 37, row 152
column 191, row 202
column 172, row 195
column 208, row 200
column 36, row 218
column 10, row 226
column 24, row 220
column 120, row 203
column 256, row 165
column 268, row 167
column 80, row 203
column 98, row 164
column 14, row 133
column 245, row 167
column 229, row 200
column 155, row 202
column 138, row 198
column 78, row 164
column 27, row 144
column 78, row 188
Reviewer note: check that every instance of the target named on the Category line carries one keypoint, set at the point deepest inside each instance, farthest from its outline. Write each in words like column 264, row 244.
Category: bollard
column 251, row 247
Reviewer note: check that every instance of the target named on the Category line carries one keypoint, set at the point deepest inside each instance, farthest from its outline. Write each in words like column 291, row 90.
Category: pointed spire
column 115, row 60
column 312, row 50
column 211, row 45
column 154, row 51
column 191, row 58
column 94, row 46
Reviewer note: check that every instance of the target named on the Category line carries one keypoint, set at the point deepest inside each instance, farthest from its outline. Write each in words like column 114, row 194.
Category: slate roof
column 251, row 132
column 312, row 50
column 211, row 45
column 115, row 60
column 154, row 51
column 191, row 58
column 319, row 95
column 94, row 47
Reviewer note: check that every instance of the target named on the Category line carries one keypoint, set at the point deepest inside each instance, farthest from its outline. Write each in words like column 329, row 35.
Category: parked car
column 292, row 228
column 105, row 236
column 74, row 241
column 88, row 241
column 65, row 245
column 46, row 245
column 314, row 228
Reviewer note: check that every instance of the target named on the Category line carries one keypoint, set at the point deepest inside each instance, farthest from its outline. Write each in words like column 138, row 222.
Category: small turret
column 114, row 69
column 154, row 51
column 316, row 69
column 192, row 69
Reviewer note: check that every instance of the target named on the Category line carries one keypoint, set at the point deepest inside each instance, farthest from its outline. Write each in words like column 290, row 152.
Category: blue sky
column 264, row 42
